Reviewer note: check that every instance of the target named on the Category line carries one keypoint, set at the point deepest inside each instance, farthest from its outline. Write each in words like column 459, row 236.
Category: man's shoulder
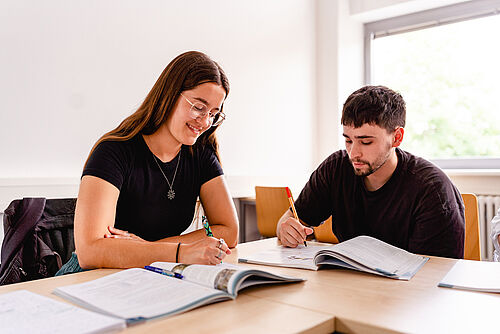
column 423, row 172
column 336, row 157
column 332, row 168
column 335, row 162
column 419, row 166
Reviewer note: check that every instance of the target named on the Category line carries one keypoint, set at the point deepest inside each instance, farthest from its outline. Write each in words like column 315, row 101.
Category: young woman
column 141, row 180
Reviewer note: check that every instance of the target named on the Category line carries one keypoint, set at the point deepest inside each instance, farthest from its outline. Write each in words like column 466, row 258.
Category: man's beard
column 372, row 167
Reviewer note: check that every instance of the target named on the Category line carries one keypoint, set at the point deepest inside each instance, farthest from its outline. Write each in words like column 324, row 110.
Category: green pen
column 208, row 231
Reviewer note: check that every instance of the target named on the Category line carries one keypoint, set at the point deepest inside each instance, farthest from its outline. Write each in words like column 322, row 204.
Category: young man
column 374, row 188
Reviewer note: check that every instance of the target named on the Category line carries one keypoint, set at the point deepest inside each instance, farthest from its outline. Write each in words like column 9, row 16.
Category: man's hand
column 291, row 232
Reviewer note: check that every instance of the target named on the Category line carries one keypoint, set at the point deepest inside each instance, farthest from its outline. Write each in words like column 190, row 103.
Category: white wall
column 72, row 70
column 339, row 70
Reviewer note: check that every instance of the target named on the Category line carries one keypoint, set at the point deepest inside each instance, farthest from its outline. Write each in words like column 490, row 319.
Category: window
column 449, row 77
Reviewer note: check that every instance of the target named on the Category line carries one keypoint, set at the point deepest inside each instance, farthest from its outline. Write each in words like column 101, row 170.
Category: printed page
column 379, row 256
column 223, row 276
column 473, row 275
column 138, row 293
column 299, row 257
column 26, row 312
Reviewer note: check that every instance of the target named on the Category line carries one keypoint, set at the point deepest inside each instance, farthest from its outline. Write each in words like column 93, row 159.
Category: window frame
column 469, row 10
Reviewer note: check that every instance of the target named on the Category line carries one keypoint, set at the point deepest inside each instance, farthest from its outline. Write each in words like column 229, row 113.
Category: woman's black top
column 143, row 207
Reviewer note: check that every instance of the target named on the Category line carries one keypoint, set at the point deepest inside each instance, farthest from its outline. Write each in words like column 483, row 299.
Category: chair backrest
column 271, row 203
column 472, row 248
column 324, row 232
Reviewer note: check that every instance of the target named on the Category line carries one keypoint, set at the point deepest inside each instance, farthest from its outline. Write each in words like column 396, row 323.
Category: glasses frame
column 220, row 115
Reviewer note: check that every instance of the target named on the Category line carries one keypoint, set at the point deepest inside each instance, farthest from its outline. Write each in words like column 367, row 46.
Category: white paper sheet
column 26, row 312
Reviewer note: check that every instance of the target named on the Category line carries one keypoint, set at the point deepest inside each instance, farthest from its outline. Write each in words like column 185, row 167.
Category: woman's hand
column 121, row 234
column 205, row 251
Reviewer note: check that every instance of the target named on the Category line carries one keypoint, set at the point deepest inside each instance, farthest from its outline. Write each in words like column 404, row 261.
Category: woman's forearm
column 123, row 253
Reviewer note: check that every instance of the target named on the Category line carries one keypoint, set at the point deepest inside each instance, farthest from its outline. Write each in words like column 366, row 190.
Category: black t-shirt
column 143, row 207
column 417, row 209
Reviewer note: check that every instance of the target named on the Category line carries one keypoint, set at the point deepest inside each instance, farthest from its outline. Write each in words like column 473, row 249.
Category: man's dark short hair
column 376, row 105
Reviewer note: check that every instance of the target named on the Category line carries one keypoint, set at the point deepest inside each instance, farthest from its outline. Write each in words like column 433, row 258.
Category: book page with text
column 138, row 293
column 223, row 276
column 379, row 255
column 299, row 257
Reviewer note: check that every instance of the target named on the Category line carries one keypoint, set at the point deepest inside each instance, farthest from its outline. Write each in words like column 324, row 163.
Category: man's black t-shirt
column 143, row 207
column 418, row 209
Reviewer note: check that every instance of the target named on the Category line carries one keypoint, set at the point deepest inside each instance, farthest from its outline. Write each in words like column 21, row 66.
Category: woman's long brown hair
column 185, row 72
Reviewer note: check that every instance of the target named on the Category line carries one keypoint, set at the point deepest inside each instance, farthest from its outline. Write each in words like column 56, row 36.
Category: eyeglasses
column 200, row 110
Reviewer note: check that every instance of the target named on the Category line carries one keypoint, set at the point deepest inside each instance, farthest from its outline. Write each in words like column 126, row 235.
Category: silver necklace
column 171, row 192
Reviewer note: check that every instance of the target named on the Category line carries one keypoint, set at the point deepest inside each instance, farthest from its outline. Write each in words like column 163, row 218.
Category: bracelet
column 177, row 253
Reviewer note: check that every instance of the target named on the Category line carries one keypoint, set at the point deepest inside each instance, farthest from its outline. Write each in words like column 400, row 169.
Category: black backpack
column 38, row 238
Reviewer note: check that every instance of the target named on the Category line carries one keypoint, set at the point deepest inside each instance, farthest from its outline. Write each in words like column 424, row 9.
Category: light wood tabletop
column 331, row 299
column 245, row 314
column 363, row 302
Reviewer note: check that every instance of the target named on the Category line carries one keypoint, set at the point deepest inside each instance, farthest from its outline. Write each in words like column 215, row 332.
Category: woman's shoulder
column 116, row 152
column 203, row 151
column 207, row 162
column 119, row 146
column 112, row 160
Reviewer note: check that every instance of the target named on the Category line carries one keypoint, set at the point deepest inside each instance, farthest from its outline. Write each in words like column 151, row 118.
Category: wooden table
column 245, row 314
column 365, row 303
column 330, row 299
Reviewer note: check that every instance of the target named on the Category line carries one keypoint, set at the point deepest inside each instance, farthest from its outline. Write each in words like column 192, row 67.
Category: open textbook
column 138, row 294
column 473, row 275
column 361, row 253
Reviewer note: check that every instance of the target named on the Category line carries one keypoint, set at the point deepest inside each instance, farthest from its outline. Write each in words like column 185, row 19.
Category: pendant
column 171, row 194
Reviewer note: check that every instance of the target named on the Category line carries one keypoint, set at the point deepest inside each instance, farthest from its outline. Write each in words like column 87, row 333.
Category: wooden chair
column 271, row 203
column 472, row 248
column 323, row 233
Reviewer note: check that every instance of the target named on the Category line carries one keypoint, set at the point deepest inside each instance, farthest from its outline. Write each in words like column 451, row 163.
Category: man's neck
column 376, row 180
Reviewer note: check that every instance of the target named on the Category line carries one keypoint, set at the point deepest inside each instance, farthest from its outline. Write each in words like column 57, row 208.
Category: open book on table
column 138, row 294
column 361, row 253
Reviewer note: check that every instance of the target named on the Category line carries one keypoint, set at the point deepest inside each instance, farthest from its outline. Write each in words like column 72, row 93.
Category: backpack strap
column 31, row 211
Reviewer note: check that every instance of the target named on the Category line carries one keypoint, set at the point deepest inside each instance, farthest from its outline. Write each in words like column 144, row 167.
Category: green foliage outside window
column 450, row 79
